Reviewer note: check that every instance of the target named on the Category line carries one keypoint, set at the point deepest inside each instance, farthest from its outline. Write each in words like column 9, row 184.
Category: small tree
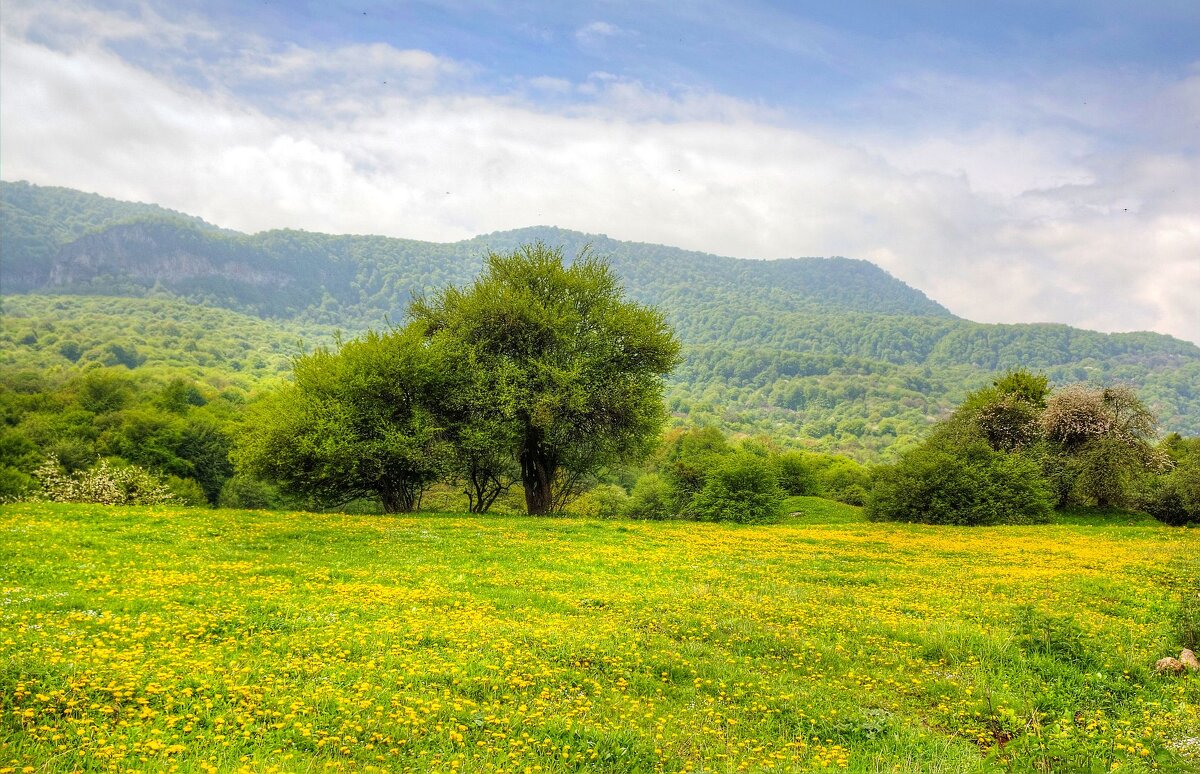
column 573, row 369
column 358, row 422
column 1007, row 413
column 692, row 455
column 741, row 487
column 1100, row 442
column 797, row 475
column 650, row 498
column 243, row 491
column 603, row 501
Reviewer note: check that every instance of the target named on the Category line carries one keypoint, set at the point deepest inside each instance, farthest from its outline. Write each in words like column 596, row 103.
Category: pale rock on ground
column 1169, row 665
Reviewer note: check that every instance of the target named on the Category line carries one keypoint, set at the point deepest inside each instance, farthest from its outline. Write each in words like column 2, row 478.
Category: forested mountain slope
column 287, row 273
column 832, row 350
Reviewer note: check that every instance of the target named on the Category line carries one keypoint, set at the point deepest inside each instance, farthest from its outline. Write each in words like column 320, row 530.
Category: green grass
column 1103, row 517
column 193, row 640
column 817, row 510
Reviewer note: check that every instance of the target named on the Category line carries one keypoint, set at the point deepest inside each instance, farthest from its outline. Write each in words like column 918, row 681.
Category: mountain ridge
column 72, row 258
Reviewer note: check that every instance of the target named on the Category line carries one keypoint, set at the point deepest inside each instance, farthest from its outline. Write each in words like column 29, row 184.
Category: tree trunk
column 537, row 474
column 398, row 500
column 482, row 490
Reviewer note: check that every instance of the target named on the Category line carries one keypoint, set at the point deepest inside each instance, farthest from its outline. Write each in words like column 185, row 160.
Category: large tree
column 572, row 367
column 358, row 422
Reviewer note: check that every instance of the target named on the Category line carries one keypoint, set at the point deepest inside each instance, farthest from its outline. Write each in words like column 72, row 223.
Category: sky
column 1016, row 161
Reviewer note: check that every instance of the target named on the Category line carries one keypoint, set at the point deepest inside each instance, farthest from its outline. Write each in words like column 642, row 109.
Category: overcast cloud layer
column 1072, row 196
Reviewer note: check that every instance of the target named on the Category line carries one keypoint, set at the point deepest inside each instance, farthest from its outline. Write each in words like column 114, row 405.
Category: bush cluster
column 1173, row 495
column 1015, row 450
column 969, row 485
column 699, row 474
column 104, row 484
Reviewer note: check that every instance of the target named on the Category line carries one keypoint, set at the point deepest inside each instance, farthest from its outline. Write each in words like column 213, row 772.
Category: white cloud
column 1011, row 219
column 71, row 23
column 596, row 31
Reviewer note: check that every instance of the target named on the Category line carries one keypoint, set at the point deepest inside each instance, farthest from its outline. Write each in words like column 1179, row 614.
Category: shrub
column 71, row 350
column 243, row 491
column 740, row 487
column 692, row 456
column 104, row 484
column 797, row 476
column 844, row 480
column 1174, row 498
column 651, row 498
column 604, row 501
column 13, row 484
column 187, row 491
column 970, row 485
column 855, row 494
column 72, row 454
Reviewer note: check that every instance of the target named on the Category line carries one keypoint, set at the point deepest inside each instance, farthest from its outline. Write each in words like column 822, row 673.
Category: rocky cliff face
column 149, row 253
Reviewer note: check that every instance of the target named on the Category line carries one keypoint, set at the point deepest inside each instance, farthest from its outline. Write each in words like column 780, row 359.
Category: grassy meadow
column 193, row 640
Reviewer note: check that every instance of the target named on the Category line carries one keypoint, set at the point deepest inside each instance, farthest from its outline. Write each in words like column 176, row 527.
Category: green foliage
column 79, row 418
column 1100, row 439
column 574, row 369
column 741, row 487
column 651, row 498
column 358, row 422
column 247, row 492
column 692, row 453
column 1007, row 414
column 833, row 353
column 1104, row 470
column 965, row 485
column 178, row 395
column 1173, row 497
column 603, row 501
column 842, row 479
column 693, row 457
column 1078, row 445
column 1056, row 636
column 14, row 484
column 797, row 474
column 105, row 484
column 478, row 423
column 1025, row 386
column 186, row 491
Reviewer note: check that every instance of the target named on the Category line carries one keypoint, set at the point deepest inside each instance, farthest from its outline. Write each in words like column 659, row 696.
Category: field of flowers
column 193, row 640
